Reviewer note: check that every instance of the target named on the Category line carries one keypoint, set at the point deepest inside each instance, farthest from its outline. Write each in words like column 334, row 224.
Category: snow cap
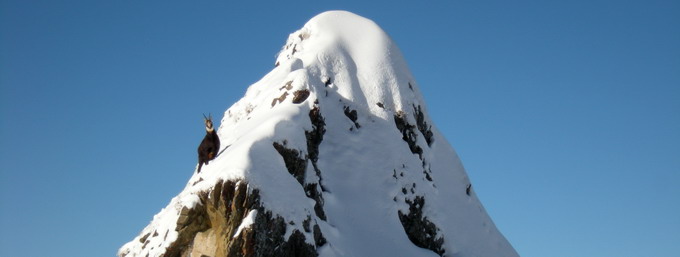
column 366, row 66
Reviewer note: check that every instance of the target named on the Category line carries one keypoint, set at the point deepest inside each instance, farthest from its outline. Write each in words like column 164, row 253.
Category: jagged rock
column 423, row 127
column 295, row 164
column 143, row 238
column 315, row 136
column 272, row 242
column 352, row 115
column 318, row 236
column 224, row 209
column 421, row 231
column 312, row 192
column 408, row 133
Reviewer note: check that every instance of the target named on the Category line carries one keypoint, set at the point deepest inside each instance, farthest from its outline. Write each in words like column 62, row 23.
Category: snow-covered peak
column 332, row 153
column 367, row 67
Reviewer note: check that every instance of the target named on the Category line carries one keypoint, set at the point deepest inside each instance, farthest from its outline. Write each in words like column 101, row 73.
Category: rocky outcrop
column 410, row 136
column 314, row 138
column 408, row 133
column 300, row 96
column 295, row 163
column 424, row 128
column 352, row 115
column 420, row 230
column 214, row 227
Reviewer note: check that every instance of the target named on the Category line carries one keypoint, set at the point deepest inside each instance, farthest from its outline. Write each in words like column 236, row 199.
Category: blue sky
column 566, row 114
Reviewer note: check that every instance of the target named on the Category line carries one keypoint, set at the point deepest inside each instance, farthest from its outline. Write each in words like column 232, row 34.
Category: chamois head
column 208, row 123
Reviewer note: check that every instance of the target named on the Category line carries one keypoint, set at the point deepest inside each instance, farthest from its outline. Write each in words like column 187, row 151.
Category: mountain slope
column 333, row 154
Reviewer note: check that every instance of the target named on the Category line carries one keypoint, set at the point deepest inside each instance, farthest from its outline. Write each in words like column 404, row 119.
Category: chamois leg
column 200, row 164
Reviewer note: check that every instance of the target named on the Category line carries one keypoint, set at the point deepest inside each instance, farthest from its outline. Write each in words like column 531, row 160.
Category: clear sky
column 566, row 114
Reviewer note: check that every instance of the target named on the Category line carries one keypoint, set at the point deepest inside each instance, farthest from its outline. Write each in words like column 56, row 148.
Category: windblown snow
column 379, row 157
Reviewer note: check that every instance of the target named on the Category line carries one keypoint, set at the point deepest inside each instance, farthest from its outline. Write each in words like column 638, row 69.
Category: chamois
column 210, row 144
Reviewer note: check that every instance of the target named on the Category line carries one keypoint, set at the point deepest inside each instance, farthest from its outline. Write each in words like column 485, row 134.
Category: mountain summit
column 332, row 153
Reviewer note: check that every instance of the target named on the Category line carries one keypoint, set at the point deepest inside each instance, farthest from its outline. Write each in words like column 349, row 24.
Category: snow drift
column 330, row 154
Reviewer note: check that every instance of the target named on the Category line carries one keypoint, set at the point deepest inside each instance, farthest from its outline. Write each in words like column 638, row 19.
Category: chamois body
column 210, row 145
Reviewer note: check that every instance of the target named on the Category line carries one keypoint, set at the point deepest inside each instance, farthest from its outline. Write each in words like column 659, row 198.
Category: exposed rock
column 312, row 192
column 428, row 176
column 209, row 228
column 143, row 238
column 319, row 240
column 267, row 239
column 287, row 86
column 326, row 81
column 300, row 96
column 279, row 99
column 305, row 224
column 295, row 164
column 421, row 231
column 352, row 115
column 408, row 133
column 190, row 222
column 424, row 128
column 314, row 138
column 410, row 136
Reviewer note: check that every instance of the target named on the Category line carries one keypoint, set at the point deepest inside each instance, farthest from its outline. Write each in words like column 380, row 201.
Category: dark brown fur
column 210, row 145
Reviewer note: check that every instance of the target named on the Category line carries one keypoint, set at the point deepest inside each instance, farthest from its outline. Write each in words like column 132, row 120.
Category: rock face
column 213, row 227
column 330, row 154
